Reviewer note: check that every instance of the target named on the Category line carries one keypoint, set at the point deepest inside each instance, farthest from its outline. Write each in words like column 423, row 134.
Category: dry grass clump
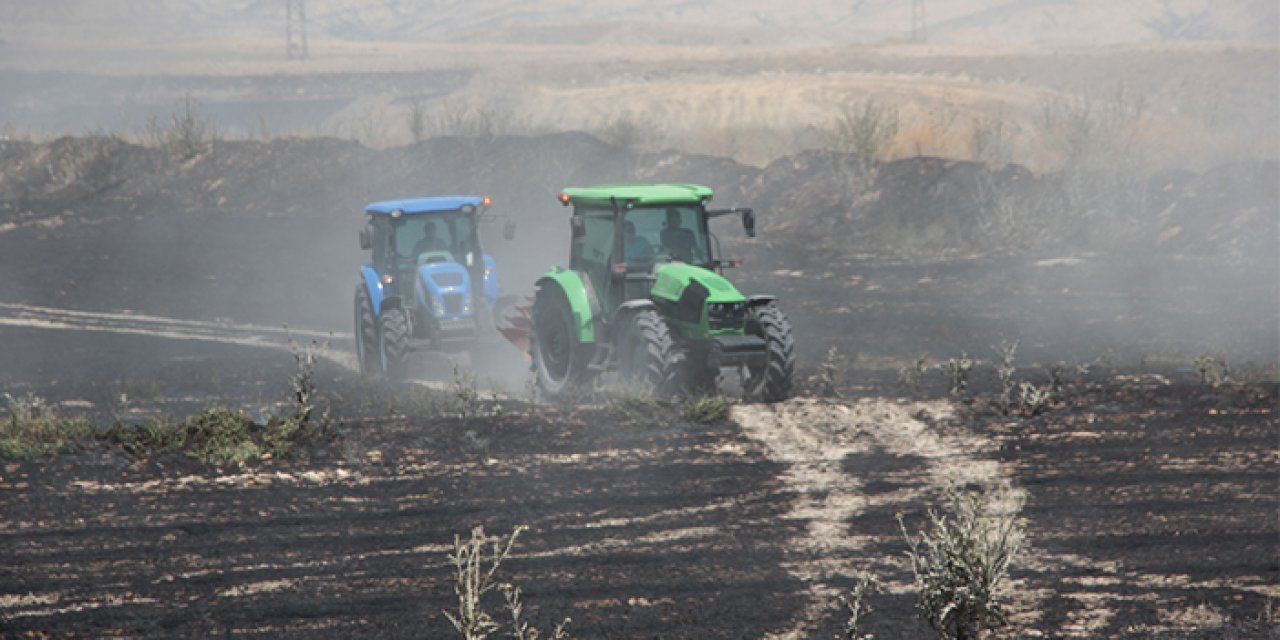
column 475, row 576
column 961, row 560
column 34, row 429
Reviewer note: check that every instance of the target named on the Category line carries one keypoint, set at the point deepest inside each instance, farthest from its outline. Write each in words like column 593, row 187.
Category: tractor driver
column 678, row 242
column 635, row 248
column 430, row 241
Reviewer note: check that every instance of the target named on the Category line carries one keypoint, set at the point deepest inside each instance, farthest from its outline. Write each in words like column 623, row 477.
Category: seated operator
column 678, row 242
column 430, row 241
column 635, row 248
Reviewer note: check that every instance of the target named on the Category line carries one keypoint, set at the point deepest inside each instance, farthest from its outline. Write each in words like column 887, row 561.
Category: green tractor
column 644, row 296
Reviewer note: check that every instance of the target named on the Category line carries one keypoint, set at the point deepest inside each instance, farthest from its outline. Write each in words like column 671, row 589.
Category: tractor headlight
column 437, row 306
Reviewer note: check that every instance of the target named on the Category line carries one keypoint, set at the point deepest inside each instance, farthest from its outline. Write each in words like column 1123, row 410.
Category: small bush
column 958, row 373
column 960, row 562
column 220, row 435
column 1213, row 370
column 854, row 603
column 1033, row 399
column 643, row 408
column 863, row 129
column 187, row 134
column 706, row 409
column 1005, row 369
column 909, row 375
column 826, row 382
column 473, row 580
column 34, row 429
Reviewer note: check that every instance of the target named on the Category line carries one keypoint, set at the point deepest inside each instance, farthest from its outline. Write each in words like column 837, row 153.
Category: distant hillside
column 655, row 22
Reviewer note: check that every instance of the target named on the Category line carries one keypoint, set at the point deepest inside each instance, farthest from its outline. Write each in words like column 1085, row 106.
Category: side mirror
column 749, row 223
column 509, row 230
column 579, row 226
column 366, row 242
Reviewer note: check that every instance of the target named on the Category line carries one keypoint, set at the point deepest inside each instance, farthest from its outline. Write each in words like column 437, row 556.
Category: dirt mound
column 1229, row 212
column 241, row 202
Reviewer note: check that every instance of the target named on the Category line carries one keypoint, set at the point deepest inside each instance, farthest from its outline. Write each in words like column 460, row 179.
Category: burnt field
column 1148, row 474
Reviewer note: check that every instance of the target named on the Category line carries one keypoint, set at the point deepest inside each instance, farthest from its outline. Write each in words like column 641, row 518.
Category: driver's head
column 628, row 228
column 673, row 218
column 429, row 229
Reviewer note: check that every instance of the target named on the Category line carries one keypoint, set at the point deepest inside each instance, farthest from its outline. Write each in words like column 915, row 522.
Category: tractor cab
column 623, row 234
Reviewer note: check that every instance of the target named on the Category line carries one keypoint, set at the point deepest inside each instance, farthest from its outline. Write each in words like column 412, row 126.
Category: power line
column 295, row 29
column 918, row 24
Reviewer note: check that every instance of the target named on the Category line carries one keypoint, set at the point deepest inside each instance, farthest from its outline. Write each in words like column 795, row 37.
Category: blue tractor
column 430, row 285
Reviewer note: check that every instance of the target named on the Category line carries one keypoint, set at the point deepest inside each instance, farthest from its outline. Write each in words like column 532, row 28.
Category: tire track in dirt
column 30, row 316
column 813, row 438
column 334, row 348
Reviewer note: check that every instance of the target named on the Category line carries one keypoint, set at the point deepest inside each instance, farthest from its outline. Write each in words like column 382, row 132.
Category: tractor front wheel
column 366, row 332
column 646, row 355
column 771, row 381
column 394, row 342
column 559, row 359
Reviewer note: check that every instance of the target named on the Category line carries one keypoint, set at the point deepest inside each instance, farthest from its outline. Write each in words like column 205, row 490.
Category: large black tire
column 559, row 359
column 647, row 359
column 366, row 333
column 772, row 381
column 394, row 342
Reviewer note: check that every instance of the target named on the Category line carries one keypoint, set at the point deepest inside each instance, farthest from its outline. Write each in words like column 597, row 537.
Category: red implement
column 516, row 324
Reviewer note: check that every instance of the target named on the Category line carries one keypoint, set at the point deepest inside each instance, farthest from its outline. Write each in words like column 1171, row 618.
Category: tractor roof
column 434, row 204
column 639, row 194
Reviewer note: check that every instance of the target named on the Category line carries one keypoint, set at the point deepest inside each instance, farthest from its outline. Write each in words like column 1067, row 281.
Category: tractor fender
column 623, row 313
column 760, row 301
column 582, row 303
column 373, row 286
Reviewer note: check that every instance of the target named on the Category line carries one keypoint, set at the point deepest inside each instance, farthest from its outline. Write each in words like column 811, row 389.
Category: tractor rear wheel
column 394, row 342
column 772, row 380
column 366, row 333
column 559, row 359
column 646, row 355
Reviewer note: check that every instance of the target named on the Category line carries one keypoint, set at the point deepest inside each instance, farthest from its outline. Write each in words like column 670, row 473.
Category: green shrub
column 960, row 561
column 33, row 429
column 220, row 435
column 706, row 409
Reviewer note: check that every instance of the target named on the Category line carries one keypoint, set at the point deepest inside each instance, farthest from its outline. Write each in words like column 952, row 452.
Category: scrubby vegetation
column 962, row 558
column 34, row 429
column 475, row 576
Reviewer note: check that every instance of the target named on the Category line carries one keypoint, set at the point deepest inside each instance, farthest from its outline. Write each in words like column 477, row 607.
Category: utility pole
column 295, row 29
column 918, row 25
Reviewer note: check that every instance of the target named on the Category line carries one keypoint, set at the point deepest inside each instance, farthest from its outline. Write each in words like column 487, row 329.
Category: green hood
column 674, row 278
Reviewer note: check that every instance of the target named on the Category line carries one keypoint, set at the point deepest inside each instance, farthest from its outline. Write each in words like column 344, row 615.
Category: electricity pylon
column 295, row 29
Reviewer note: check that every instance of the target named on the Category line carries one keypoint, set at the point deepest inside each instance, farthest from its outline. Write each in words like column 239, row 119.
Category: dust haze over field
column 1096, row 180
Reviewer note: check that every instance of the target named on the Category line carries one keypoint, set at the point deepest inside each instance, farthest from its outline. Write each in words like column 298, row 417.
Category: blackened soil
column 637, row 530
